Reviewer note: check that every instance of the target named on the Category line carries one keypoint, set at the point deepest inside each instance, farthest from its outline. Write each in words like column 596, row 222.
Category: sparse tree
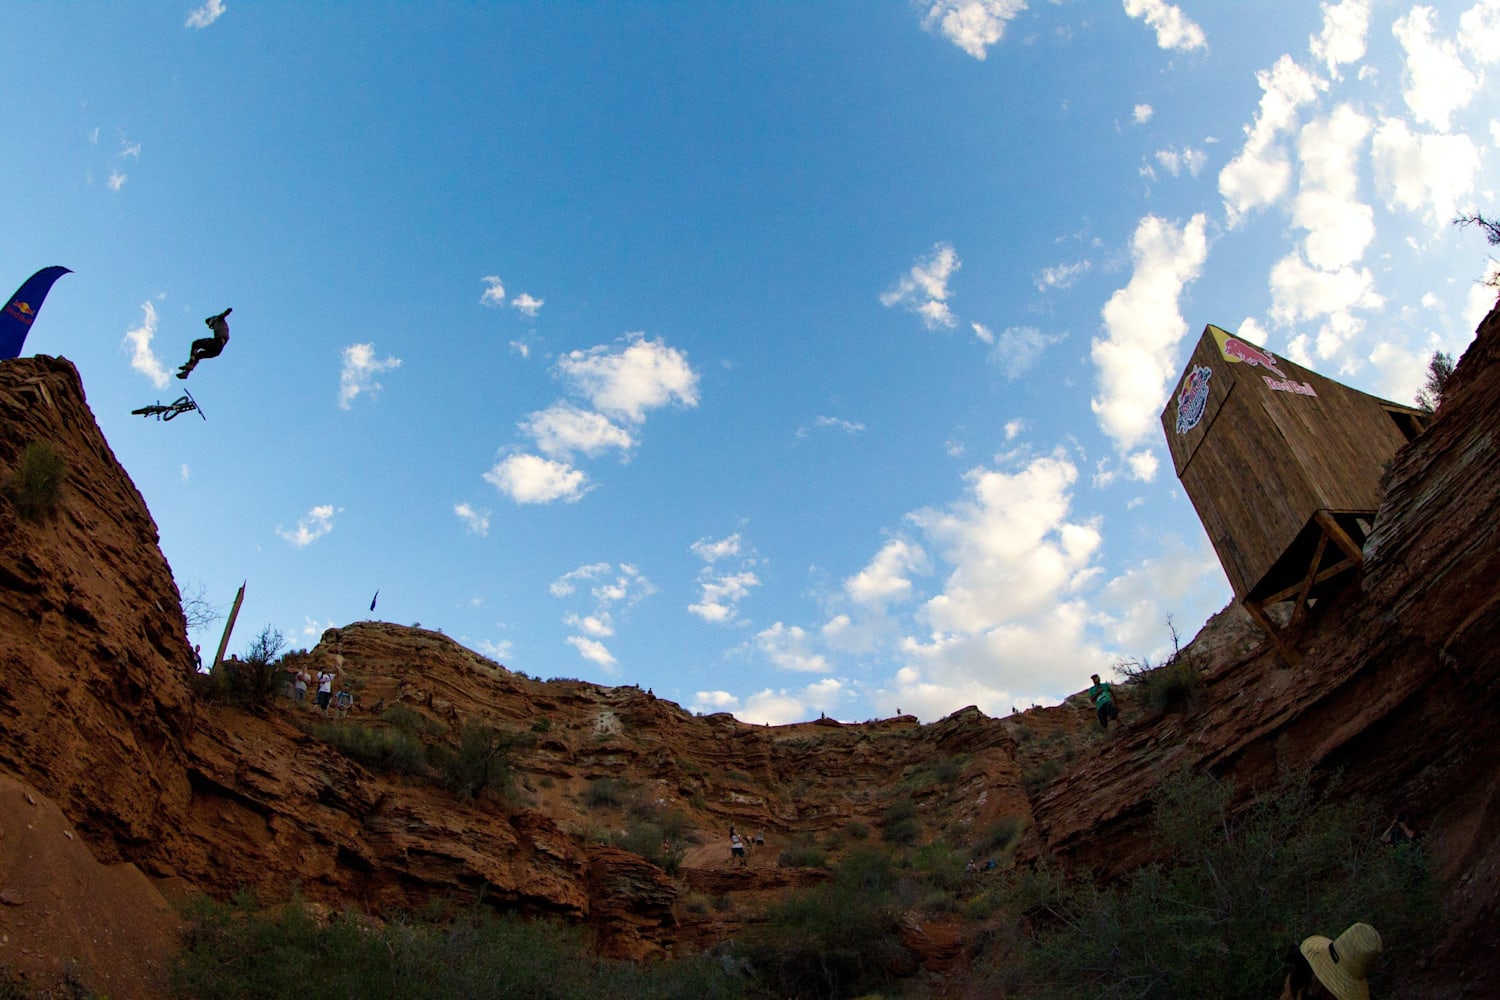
column 1439, row 370
column 1490, row 227
column 200, row 614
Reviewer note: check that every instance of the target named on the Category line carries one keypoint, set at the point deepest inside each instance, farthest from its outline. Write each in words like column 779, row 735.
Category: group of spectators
column 325, row 700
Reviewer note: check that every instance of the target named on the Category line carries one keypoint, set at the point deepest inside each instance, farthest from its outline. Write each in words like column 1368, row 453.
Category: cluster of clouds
column 599, row 593
column 1008, row 581
column 613, row 387
column 923, row 290
column 976, row 25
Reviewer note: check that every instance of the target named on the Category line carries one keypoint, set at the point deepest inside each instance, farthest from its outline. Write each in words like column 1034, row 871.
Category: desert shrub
column 838, row 939
column 1001, row 835
column 1039, row 775
column 856, row 830
column 250, row 683
column 376, row 747
column 35, row 486
column 542, row 725
column 480, row 764
column 898, row 823
column 604, row 792
column 941, row 866
column 646, row 840
column 1173, row 684
column 803, row 856
column 1239, row 888
column 410, row 721
column 237, row 952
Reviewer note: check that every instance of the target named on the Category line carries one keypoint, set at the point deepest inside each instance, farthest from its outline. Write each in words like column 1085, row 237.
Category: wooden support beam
column 1288, row 651
column 1332, row 529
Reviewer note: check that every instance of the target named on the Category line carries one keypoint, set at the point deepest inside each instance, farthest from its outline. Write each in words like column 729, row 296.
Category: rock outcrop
column 102, row 715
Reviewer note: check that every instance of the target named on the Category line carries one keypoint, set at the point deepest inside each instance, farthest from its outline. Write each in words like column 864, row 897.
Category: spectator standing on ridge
column 299, row 685
column 1338, row 968
column 737, row 849
column 325, row 686
column 1103, row 697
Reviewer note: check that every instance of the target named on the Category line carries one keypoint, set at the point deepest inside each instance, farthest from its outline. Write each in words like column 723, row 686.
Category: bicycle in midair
column 170, row 411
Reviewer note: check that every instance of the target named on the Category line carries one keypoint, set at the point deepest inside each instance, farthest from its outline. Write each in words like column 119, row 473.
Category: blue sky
column 782, row 358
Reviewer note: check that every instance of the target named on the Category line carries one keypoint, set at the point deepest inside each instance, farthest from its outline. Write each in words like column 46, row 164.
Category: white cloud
column 594, row 651
column 1175, row 161
column 1012, row 549
column 1479, row 32
column 142, row 358
column 721, row 592
column 1143, row 465
column 839, row 424
column 887, row 577
column 1260, row 173
column 1142, row 113
column 359, row 371
column 790, row 648
column 1143, row 325
column 610, row 586
column 1437, row 81
column 128, row 148
column 116, row 180
column 1019, row 348
column 1342, row 40
column 1482, row 296
column 497, row 651
column 562, row 430
column 983, row 333
column 924, row 289
column 600, row 626
column 972, row 25
column 1013, row 428
column 202, row 17
column 643, row 375
column 712, row 552
column 1302, row 292
column 533, row 479
column 475, row 521
column 1339, row 226
column 1424, row 173
column 1061, row 276
column 526, row 304
column 314, row 525
column 494, row 292
column 1174, row 29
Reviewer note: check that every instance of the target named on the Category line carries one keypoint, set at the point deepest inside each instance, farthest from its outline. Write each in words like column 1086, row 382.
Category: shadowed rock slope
column 101, row 714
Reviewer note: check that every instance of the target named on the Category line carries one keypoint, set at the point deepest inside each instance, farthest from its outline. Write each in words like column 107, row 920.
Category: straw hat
column 1343, row 965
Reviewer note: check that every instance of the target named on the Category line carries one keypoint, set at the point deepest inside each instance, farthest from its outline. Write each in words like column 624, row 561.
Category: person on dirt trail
column 1339, row 968
column 207, row 347
column 737, row 849
column 1103, row 697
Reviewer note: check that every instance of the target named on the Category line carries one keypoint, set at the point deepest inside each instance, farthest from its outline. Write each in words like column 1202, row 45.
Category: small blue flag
column 20, row 312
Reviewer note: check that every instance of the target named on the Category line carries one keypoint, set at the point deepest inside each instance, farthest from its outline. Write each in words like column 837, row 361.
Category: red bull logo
column 21, row 311
column 1192, row 398
column 1238, row 351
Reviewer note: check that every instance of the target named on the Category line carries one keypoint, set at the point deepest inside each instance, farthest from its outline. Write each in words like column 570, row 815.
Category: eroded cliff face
column 98, row 714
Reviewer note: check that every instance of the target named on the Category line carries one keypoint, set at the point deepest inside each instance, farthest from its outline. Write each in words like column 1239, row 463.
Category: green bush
column 234, row 951
column 604, row 792
column 410, row 721
column 376, row 747
column 1239, row 889
column 35, row 487
column 480, row 764
column 838, row 939
column 646, row 839
column 251, row 683
column 803, row 856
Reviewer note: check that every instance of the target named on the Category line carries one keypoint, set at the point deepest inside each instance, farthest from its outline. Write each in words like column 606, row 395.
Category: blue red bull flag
column 20, row 312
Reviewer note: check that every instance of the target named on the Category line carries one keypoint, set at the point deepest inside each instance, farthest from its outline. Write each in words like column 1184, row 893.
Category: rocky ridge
column 100, row 717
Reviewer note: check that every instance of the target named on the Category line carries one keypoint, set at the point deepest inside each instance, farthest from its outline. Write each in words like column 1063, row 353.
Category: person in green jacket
column 1103, row 697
